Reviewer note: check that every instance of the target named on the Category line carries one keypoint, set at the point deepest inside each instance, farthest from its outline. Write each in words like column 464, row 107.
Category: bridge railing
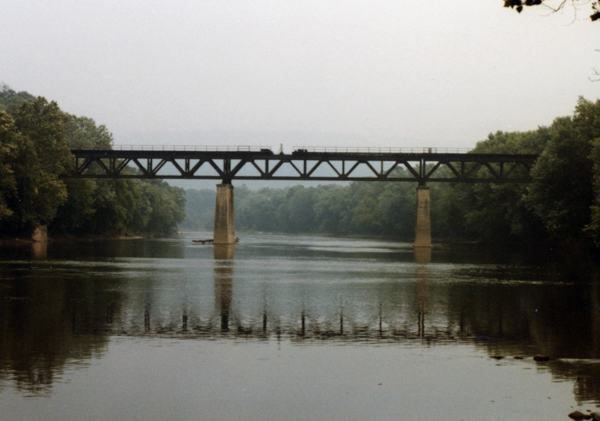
column 193, row 148
column 377, row 150
column 313, row 149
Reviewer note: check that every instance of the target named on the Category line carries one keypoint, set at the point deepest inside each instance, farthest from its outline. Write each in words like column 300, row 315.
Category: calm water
column 295, row 328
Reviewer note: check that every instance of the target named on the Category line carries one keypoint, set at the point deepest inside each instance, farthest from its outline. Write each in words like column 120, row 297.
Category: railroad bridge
column 228, row 163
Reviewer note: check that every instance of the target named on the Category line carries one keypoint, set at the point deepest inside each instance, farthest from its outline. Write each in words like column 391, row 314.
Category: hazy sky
column 380, row 73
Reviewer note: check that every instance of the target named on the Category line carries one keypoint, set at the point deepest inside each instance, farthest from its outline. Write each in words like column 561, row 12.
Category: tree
column 11, row 99
column 167, row 207
column 594, row 227
column 200, row 209
column 35, row 142
column 296, row 213
column 40, row 154
column 83, row 133
column 562, row 191
column 554, row 5
column 76, row 214
column 9, row 140
column 333, row 209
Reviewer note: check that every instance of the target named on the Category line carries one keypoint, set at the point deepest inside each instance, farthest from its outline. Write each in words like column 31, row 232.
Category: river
column 295, row 328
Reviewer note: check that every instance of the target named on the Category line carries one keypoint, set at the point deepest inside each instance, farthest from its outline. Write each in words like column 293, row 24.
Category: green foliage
column 258, row 211
column 11, row 99
column 356, row 209
column 40, row 154
column 200, row 209
column 486, row 211
column 167, row 206
column 562, row 194
column 594, row 226
column 558, row 204
column 114, row 207
column 9, row 140
column 35, row 142
column 82, row 133
column 77, row 215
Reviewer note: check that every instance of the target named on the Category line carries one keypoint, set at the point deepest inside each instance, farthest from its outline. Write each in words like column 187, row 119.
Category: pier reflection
column 53, row 315
column 423, row 255
column 39, row 250
column 422, row 298
column 223, row 255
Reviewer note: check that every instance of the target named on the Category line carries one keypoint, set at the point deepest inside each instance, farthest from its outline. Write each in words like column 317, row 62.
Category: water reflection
column 423, row 255
column 39, row 250
column 40, row 322
column 422, row 298
column 223, row 255
column 58, row 312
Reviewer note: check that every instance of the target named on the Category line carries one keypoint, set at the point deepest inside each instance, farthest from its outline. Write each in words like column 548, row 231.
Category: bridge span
column 227, row 163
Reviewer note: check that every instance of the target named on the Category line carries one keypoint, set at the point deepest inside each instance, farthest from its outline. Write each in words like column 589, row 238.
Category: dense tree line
column 562, row 204
column 35, row 141
column 355, row 209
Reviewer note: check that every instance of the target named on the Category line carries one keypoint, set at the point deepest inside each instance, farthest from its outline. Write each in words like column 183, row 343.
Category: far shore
column 85, row 238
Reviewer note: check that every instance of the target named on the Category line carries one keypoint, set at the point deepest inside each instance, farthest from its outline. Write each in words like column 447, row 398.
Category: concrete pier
column 224, row 216
column 40, row 234
column 423, row 226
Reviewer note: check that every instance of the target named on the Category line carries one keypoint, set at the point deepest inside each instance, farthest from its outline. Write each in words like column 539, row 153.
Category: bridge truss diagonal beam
column 320, row 166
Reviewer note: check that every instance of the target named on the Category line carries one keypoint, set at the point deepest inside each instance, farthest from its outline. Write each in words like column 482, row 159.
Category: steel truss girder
column 418, row 167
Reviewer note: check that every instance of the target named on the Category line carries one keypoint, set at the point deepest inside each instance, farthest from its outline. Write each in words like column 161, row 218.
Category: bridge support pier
column 224, row 216
column 423, row 225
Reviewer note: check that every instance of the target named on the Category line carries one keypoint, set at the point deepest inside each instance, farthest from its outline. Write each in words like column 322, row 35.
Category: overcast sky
column 407, row 73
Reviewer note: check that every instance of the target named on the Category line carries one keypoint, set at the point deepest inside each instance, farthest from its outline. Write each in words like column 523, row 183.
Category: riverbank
column 85, row 238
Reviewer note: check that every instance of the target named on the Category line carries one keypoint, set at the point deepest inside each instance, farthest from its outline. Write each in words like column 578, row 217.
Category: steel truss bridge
column 319, row 164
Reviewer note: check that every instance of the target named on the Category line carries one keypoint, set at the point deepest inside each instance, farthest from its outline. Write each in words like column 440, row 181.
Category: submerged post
column 224, row 216
column 423, row 225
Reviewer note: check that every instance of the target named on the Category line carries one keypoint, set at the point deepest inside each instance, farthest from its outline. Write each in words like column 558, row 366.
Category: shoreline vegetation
column 36, row 138
column 79, row 238
column 560, row 207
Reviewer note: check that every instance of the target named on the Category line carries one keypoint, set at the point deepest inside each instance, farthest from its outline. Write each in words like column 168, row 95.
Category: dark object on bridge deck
column 299, row 151
column 266, row 151
column 541, row 358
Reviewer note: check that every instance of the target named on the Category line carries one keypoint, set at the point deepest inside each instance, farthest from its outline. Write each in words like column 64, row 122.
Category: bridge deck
column 421, row 167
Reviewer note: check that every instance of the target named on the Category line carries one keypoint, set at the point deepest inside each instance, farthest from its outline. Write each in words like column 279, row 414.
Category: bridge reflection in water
column 223, row 282
column 54, row 313
column 261, row 328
